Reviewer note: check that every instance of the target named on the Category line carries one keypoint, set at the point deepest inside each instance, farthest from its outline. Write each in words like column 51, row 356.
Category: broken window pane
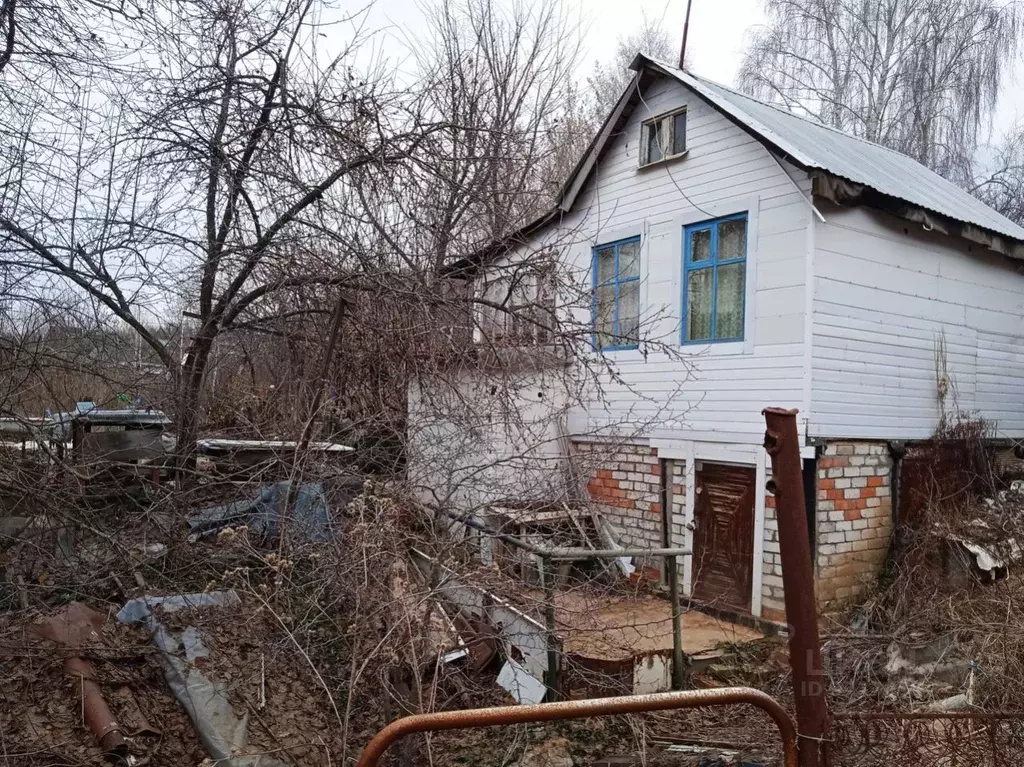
column 700, row 245
column 732, row 239
column 698, row 304
column 679, row 133
column 729, row 301
column 655, row 137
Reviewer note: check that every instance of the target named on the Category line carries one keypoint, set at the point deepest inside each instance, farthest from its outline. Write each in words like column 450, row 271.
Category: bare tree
column 204, row 171
column 919, row 76
column 611, row 76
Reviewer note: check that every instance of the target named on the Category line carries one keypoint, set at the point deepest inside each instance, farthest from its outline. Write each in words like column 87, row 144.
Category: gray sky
column 718, row 29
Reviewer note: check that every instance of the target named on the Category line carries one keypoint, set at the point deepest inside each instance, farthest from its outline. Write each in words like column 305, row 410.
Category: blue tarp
column 309, row 517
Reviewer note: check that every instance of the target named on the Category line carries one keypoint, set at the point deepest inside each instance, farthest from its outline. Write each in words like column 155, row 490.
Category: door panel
column 723, row 537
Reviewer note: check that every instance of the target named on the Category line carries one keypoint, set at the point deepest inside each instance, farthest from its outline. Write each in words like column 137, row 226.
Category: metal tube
column 672, row 573
column 581, row 709
column 782, row 442
column 547, row 575
column 566, row 554
column 678, row 661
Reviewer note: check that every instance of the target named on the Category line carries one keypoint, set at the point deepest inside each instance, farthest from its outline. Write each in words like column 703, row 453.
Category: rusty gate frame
column 580, row 709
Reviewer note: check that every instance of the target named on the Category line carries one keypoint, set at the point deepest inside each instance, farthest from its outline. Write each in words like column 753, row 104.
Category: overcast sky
column 718, row 29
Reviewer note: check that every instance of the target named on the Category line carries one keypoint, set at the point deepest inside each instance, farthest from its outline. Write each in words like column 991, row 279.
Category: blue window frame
column 616, row 300
column 715, row 280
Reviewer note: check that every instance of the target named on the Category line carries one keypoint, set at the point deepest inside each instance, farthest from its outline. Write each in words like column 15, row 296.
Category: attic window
column 663, row 138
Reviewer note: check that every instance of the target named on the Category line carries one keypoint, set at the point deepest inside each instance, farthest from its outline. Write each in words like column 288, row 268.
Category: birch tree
column 919, row 76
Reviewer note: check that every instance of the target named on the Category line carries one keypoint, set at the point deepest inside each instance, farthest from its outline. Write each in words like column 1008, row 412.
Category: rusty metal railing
column 581, row 709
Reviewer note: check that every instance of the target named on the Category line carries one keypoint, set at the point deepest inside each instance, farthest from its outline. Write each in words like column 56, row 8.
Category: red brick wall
column 624, row 484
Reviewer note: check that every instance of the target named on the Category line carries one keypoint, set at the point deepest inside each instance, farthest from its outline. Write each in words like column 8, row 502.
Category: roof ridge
column 806, row 118
column 781, row 109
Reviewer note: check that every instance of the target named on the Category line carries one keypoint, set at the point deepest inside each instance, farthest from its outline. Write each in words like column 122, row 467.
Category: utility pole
column 686, row 33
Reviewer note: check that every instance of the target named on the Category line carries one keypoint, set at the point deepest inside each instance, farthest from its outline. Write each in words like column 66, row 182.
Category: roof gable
column 870, row 170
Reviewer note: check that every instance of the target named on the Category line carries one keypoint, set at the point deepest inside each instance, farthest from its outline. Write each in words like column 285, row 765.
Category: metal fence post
column 547, row 574
column 782, row 442
column 672, row 574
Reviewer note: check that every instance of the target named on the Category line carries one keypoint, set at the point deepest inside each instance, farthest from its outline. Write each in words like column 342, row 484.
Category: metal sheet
column 863, row 162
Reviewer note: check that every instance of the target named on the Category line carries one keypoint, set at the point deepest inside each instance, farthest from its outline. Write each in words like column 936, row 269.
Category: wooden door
column 723, row 537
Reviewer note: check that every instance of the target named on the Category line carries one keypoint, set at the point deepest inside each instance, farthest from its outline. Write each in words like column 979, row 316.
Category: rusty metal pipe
column 581, row 709
column 782, row 441
column 98, row 716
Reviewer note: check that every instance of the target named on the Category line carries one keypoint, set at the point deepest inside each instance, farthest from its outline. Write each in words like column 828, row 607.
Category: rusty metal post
column 782, row 442
column 581, row 709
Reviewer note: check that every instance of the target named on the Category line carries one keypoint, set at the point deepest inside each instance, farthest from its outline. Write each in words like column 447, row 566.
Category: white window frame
column 668, row 119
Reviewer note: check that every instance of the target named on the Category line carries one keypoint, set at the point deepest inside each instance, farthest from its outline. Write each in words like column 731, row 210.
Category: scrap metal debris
column 77, row 626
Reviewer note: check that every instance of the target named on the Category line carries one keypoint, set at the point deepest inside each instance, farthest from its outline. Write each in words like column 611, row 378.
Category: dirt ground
column 611, row 627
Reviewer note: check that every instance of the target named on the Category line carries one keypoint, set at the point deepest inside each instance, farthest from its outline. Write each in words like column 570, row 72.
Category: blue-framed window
column 616, row 304
column 715, row 280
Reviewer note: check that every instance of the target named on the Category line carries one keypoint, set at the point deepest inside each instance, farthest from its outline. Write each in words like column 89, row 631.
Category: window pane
column 698, row 305
column 729, row 306
column 629, row 260
column 605, row 265
column 732, row 239
column 654, row 140
column 604, row 326
column 629, row 312
column 679, row 133
column 700, row 245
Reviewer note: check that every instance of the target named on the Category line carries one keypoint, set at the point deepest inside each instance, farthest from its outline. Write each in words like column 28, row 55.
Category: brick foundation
column 854, row 518
column 624, row 484
column 773, row 606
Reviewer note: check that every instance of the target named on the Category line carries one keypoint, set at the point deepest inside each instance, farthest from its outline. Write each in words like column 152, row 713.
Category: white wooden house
column 741, row 257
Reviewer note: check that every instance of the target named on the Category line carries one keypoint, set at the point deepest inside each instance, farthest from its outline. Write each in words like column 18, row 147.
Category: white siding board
column 707, row 388
column 885, row 293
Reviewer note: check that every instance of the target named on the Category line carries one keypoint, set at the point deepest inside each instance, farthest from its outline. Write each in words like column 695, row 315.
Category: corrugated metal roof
column 816, row 146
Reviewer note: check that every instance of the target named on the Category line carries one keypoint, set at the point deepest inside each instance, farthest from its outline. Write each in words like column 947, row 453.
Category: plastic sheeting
column 223, row 734
column 310, row 516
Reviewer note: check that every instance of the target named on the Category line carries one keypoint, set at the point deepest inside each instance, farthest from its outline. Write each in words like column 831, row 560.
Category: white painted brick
column 882, row 492
column 836, row 516
column 834, row 472
column 834, row 538
column 862, row 448
column 842, row 484
column 860, row 482
column 858, row 460
column 860, row 524
column 851, row 493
